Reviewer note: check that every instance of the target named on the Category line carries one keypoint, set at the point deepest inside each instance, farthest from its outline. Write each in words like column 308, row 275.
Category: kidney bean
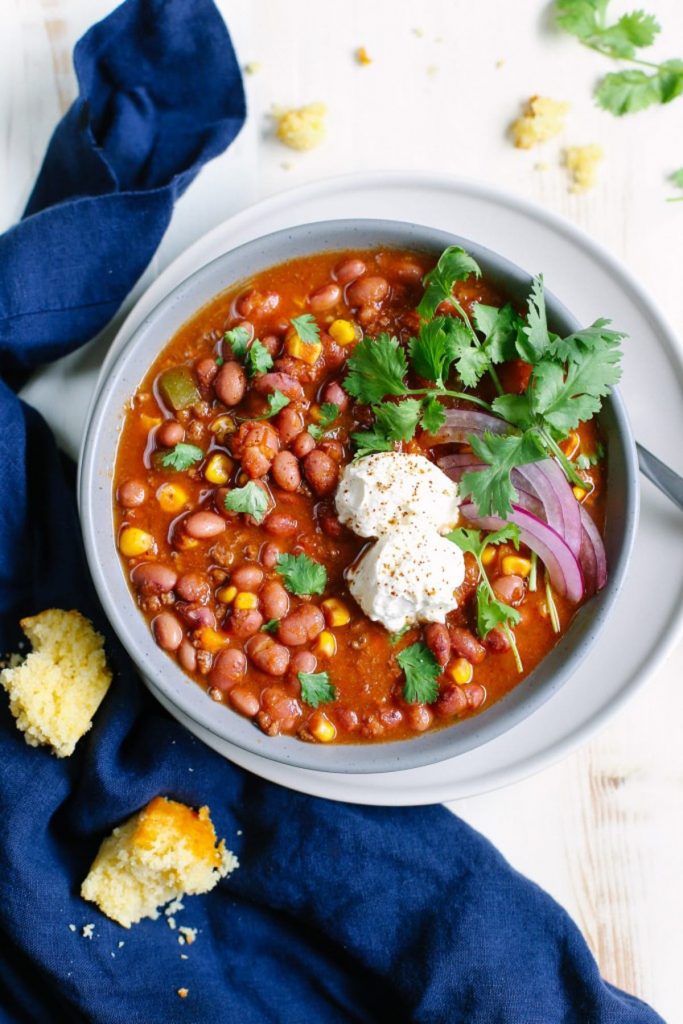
column 280, row 524
column 334, row 392
column 466, row 645
column 289, row 424
column 367, row 289
column 152, row 578
column 196, row 615
column 267, row 655
column 244, row 622
column 347, row 719
column 476, row 694
column 193, row 586
column 451, row 701
column 408, row 271
column 284, row 382
column 274, row 600
column 391, row 717
column 333, row 448
column 324, row 298
column 509, row 589
column 187, row 656
column 248, row 576
column 167, row 631
column 439, row 642
column 272, row 343
column 303, row 661
column 257, row 302
column 279, row 705
column 228, row 668
column 132, row 493
column 230, row 383
column 321, row 472
column 206, row 371
column 286, row 472
column 419, row 717
column 302, row 444
column 244, row 701
column 334, row 353
column 202, row 525
column 170, row 433
column 328, row 521
column 348, row 270
column 268, row 555
column 497, row 641
column 301, row 625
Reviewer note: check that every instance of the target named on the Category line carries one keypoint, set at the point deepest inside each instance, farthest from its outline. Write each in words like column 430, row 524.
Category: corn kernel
column 222, row 426
column 298, row 349
column 571, row 444
column 325, row 645
column 488, row 554
column 211, row 640
column 579, row 493
column 148, row 422
column 460, row 671
column 183, row 542
column 321, row 727
column 134, row 541
column 514, row 565
column 245, row 601
column 342, row 331
column 335, row 611
column 218, row 469
column 226, row 595
column 316, row 413
column 172, row 497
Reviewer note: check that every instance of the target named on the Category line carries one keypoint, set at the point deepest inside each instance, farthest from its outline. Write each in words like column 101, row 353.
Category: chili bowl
column 179, row 693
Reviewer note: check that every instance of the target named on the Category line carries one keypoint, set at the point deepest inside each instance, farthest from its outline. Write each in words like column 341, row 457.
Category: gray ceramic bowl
column 182, row 696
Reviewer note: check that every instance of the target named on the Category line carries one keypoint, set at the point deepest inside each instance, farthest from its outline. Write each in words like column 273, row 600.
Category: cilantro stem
column 552, row 607
column 515, row 650
column 533, row 582
column 566, row 464
column 483, row 577
column 441, row 392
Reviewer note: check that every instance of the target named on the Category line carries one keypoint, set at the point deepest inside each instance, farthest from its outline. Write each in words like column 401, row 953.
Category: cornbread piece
column 302, row 128
column 162, row 852
column 542, row 119
column 582, row 164
column 56, row 690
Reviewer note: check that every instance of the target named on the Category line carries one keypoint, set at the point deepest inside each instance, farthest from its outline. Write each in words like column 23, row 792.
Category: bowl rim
column 156, row 666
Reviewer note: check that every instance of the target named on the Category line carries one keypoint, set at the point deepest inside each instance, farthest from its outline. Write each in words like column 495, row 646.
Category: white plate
column 591, row 283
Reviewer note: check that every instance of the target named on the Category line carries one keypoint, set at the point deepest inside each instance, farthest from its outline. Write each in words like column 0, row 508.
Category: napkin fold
column 338, row 913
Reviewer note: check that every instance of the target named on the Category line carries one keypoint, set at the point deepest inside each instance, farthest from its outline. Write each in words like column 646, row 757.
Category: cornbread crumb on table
column 542, row 119
column 582, row 164
column 301, row 128
column 165, row 850
column 58, row 687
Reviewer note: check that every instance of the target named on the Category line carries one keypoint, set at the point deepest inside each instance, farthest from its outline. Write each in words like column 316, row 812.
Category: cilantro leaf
column 677, row 178
column 397, row 421
column 492, row 489
column 474, row 542
column 491, row 612
column 515, row 409
column 307, row 328
column 533, row 340
column 500, row 328
column 238, row 340
column 421, row 671
column 301, row 574
column 367, row 442
column 270, row 626
column 328, row 414
column 259, row 359
column 435, row 347
column 585, row 461
column 181, row 457
column 399, row 634
column 376, row 369
column 573, row 347
column 566, row 397
column 316, row 688
column 454, row 264
column 250, row 499
column 433, row 415
column 471, row 365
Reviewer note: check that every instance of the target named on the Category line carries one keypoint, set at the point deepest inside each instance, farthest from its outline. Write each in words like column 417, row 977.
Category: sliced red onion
column 460, row 423
column 592, row 555
column 562, row 513
column 558, row 558
column 465, row 462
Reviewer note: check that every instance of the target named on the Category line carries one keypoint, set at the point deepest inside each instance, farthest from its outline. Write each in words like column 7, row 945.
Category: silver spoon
column 661, row 476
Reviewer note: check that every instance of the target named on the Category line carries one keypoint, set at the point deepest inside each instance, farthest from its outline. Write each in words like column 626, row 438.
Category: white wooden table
column 602, row 831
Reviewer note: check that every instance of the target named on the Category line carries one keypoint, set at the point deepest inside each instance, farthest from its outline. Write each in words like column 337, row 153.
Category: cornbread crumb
column 72, row 927
column 187, row 935
column 301, row 128
column 88, row 929
column 362, row 57
column 183, row 992
column 58, row 687
column 582, row 164
column 542, row 119
column 253, row 67
column 163, row 851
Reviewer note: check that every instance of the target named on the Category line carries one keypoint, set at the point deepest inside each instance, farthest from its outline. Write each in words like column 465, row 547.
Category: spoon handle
column 661, row 476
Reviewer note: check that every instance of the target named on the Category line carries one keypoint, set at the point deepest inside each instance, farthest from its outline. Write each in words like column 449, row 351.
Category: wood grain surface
column 602, row 831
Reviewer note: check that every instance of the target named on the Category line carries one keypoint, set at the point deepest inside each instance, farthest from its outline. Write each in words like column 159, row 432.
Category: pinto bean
column 274, row 600
column 202, row 525
column 302, row 444
column 271, row 343
column 244, row 701
column 451, row 701
column 247, row 577
column 347, row 719
column 408, row 271
column 324, row 298
column 267, row 655
column 284, row 382
column 187, row 656
column 206, row 371
column 230, row 383
column 193, row 586
column 466, row 645
column 334, row 353
column 244, row 622
column 303, row 661
column 348, row 270
column 255, row 435
column 509, row 589
column 133, row 493
column 439, row 642
column 280, row 524
column 289, row 424
column 328, row 521
column 167, row 631
column 170, row 433
column 152, row 578
column 334, row 392
column 228, row 668
column 254, row 301
column 371, row 288
column 497, row 641
column 391, row 717
column 268, row 556
column 255, row 462
column 476, row 695
column 196, row 615
column 321, row 472
column 279, row 705
column 301, row 625
column 286, row 472
column 419, row 717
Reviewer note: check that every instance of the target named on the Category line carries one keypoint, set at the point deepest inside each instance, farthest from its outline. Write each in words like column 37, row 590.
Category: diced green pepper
column 178, row 387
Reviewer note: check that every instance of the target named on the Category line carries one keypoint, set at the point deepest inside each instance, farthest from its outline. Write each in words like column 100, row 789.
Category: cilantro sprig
column 421, row 671
column 250, row 499
column 329, row 411
column 182, row 457
column 302, row 575
column 490, row 611
column 274, row 404
column 676, row 179
column 316, row 688
column 307, row 328
column 255, row 356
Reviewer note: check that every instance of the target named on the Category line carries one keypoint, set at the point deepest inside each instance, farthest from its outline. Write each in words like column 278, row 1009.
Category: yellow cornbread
column 164, row 851
column 302, row 128
column 541, row 120
column 58, row 687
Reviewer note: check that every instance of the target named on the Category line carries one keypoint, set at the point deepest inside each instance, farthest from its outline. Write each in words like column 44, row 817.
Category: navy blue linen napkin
column 338, row 913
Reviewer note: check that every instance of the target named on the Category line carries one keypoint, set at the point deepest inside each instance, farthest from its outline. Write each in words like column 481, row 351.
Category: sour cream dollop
column 380, row 492
column 407, row 576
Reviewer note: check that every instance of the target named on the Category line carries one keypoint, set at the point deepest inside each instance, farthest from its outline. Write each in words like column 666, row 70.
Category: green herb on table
column 634, row 88
column 251, row 499
column 329, row 411
column 676, row 179
column 301, row 574
column 182, row 457
column 490, row 611
column 421, row 671
column 306, row 328
column 316, row 688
